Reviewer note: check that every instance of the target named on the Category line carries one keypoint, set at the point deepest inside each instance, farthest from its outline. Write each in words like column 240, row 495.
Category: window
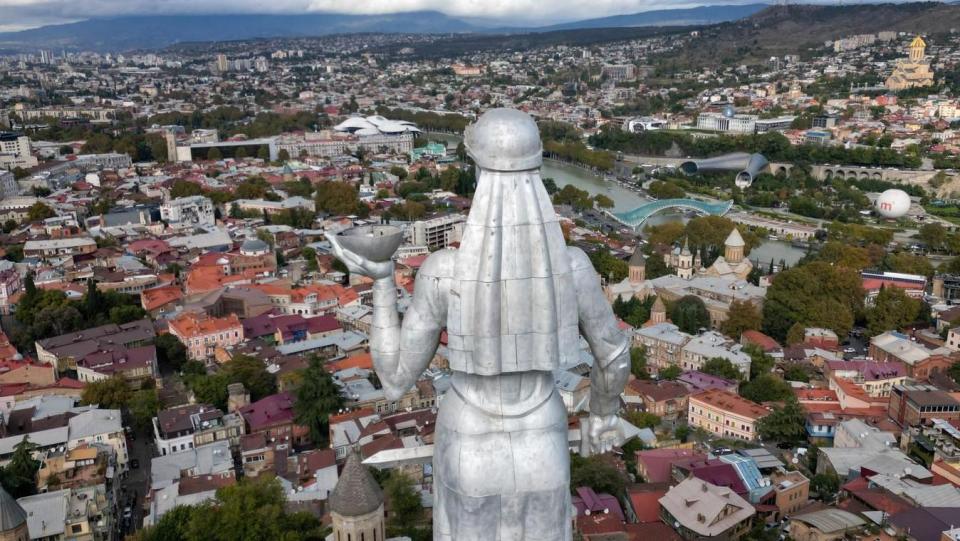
column 76, row 528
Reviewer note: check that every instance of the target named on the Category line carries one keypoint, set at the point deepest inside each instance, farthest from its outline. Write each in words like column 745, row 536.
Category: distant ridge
column 117, row 34
column 666, row 17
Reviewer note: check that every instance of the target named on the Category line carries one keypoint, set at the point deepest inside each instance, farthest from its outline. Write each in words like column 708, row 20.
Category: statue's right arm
column 401, row 353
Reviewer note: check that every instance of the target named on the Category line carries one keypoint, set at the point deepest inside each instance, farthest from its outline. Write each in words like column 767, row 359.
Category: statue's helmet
column 504, row 140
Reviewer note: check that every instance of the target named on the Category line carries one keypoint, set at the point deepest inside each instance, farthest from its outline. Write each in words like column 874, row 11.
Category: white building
column 709, row 345
column 99, row 426
column 273, row 207
column 8, row 185
column 438, row 232
column 195, row 210
column 15, row 151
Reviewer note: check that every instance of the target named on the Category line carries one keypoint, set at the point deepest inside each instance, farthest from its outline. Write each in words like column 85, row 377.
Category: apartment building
column 185, row 427
column 15, row 151
column 193, row 210
column 437, row 232
column 914, row 405
column 725, row 414
column 664, row 344
column 203, row 334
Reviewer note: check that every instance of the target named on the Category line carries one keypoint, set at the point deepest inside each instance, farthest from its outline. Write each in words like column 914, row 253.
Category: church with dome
column 913, row 71
column 718, row 285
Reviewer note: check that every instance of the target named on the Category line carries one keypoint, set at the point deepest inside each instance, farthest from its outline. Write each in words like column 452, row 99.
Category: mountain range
column 158, row 31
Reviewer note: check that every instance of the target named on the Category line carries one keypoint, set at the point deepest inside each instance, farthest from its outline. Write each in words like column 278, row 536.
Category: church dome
column 12, row 516
column 735, row 239
column 357, row 492
column 254, row 247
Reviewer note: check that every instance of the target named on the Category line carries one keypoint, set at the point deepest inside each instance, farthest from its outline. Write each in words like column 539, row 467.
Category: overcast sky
column 21, row 14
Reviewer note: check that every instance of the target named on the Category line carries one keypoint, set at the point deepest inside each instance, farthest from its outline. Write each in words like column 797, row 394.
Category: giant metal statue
column 513, row 299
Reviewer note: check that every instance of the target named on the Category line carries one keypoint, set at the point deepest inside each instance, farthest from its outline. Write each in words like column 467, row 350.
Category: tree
column 825, row 485
column 815, row 294
column 317, row 397
column 682, row 432
column 185, row 188
column 784, row 424
column 671, row 372
column 690, row 314
column 933, row 235
column 406, row 509
column 126, row 314
column 766, row 388
column 171, row 353
column 337, row 198
column 172, row 526
column 143, row 406
column 310, row 255
column 250, row 510
column 263, row 153
column 603, row 201
column 111, row 393
column 760, row 362
column 214, row 154
column 892, row 309
column 642, row 419
column 742, row 316
column 570, row 195
column 39, row 211
column 908, row 263
column 796, row 372
column 721, row 367
column 241, row 153
column 252, row 373
column 19, row 476
column 595, row 472
column 638, row 363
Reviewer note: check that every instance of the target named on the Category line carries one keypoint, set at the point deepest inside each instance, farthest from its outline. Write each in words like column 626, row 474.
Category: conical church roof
column 637, row 259
column 11, row 514
column 734, row 239
column 357, row 492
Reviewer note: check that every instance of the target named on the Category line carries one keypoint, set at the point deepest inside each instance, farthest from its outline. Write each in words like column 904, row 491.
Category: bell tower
column 637, row 267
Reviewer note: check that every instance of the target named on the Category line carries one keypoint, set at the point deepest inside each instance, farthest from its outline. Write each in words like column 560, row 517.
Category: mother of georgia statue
column 513, row 298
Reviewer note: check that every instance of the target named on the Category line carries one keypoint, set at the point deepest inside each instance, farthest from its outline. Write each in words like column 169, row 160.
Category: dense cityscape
column 187, row 353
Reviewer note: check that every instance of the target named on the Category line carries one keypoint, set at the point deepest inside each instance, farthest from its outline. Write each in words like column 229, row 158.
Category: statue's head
column 504, row 140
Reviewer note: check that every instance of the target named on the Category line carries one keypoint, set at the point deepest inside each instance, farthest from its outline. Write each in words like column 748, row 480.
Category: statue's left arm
column 609, row 345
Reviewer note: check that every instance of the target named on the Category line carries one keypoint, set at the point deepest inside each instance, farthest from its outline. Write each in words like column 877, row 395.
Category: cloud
column 31, row 13
column 19, row 14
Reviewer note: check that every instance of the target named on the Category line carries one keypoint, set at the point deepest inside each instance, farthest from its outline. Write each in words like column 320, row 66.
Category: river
column 625, row 200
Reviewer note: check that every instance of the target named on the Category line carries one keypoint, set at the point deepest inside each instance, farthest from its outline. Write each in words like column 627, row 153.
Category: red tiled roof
column 270, row 411
column 729, row 402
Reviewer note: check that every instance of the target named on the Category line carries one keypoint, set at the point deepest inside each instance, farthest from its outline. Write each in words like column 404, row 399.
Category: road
column 134, row 486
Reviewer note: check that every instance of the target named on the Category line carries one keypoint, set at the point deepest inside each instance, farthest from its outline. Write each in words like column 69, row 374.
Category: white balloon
column 892, row 204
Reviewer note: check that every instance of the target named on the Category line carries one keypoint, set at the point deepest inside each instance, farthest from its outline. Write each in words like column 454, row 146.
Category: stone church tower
column 685, row 262
column 13, row 519
column 733, row 247
column 637, row 267
column 658, row 312
column 356, row 504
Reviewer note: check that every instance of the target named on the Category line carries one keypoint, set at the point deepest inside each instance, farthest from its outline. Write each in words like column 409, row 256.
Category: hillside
column 665, row 17
column 794, row 29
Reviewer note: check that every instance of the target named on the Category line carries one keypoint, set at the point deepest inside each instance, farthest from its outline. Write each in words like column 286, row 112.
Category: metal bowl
column 374, row 242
